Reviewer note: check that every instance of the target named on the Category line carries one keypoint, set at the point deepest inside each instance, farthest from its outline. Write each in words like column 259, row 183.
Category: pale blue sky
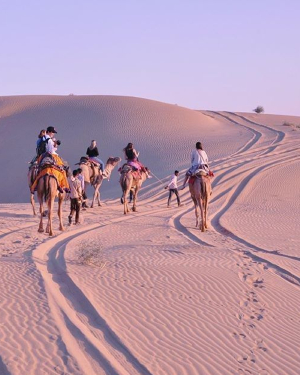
column 219, row 54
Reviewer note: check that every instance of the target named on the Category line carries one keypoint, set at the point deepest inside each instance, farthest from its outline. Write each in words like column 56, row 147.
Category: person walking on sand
column 199, row 160
column 84, row 196
column 75, row 195
column 173, row 189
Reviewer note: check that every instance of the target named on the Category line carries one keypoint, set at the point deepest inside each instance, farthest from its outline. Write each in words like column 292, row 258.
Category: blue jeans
column 171, row 192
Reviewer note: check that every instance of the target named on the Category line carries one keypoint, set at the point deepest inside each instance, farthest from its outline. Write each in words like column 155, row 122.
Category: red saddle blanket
column 192, row 180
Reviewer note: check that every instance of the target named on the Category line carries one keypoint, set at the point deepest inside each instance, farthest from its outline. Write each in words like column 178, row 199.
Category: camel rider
column 131, row 155
column 199, row 160
column 50, row 143
column 93, row 153
column 57, row 170
column 38, row 142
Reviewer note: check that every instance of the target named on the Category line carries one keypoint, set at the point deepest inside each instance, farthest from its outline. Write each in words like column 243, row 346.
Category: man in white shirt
column 50, row 145
column 199, row 160
column 173, row 189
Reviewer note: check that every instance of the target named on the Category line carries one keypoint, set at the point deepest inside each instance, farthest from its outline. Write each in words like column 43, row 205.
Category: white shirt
column 81, row 179
column 173, row 182
column 199, row 157
column 50, row 145
column 75, row 187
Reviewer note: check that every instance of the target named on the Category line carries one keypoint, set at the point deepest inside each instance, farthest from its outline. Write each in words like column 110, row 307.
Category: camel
column 93, row 176
column 130, row 181
column 47, row 189
column 200, row 192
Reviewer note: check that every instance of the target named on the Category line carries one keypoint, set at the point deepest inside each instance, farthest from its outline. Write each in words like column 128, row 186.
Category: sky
column 228, row 55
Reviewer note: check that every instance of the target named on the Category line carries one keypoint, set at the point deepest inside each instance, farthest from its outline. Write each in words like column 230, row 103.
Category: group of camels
column 47, row 191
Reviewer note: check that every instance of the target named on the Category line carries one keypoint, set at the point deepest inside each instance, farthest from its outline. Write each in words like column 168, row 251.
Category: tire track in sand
column 82, row 328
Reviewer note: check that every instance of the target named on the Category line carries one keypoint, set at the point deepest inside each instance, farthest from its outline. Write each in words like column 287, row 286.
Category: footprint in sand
column 254, row 280
column 238, row 335
column 244, row 303
column 242, row 359
column 262, row 266
column 259, row 345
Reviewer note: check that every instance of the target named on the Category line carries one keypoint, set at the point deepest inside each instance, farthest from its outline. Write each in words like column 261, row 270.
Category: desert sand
column 149, row 293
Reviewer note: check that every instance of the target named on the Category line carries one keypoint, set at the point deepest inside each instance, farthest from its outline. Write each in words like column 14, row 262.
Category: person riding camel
column 38, row 142
column 93, row 153
column 55, row 168
column 131, row 155
column 199, row 160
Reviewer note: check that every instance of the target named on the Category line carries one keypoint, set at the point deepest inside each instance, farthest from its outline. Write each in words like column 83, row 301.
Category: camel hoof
column 134, row 209
column 100, row 205
column 41, row 230
column 61, row 228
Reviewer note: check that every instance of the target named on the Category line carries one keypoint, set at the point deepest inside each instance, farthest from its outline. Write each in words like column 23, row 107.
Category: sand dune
column 113, row 122
column 148, row 293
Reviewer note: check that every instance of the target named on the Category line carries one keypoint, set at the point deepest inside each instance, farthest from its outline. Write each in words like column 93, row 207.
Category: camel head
column 113, row 160
column 110, row 164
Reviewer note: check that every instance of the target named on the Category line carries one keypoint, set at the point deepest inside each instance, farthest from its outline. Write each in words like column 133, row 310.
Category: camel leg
column 205, row 207
column 125, row 203
column 98, row 197
column 100, row 180
column 40, row 198
column 32, row 204
column 94, row 197
column 59, row 212
column 196, row 211
column 135, row 193
column 206, row 201
column 41, row 229
column 50, row 208
column 202, row 215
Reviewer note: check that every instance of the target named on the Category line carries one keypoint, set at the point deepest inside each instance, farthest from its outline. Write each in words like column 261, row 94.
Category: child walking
column 75, row 195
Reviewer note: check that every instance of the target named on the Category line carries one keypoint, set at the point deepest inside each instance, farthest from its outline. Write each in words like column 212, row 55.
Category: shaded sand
column 148, row 293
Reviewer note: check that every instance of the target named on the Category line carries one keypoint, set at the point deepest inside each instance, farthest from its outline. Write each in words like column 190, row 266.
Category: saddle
column 200, row 173
column 129, row 168
column 48, row 161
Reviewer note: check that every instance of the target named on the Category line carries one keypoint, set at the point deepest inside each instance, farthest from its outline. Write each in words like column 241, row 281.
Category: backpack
column 41, row 148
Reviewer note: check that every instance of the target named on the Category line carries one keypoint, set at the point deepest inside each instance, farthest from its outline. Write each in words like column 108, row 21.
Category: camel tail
column 46, row 187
